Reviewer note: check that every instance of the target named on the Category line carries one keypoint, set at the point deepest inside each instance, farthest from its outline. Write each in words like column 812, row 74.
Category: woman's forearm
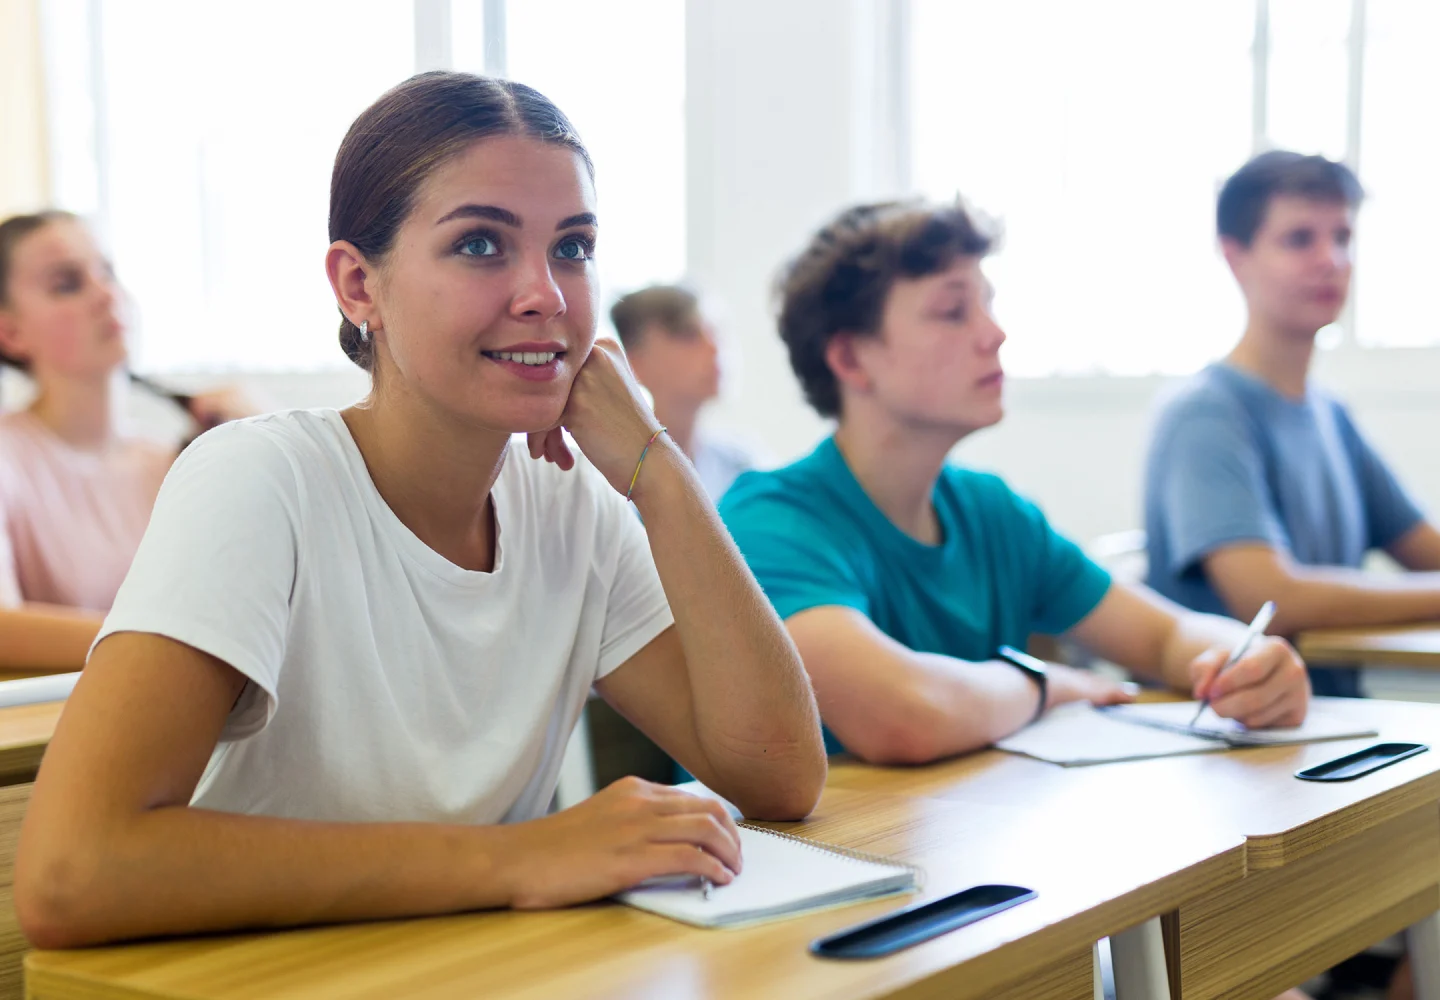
column 181, row 870
column 752, row 700
column 45, row 637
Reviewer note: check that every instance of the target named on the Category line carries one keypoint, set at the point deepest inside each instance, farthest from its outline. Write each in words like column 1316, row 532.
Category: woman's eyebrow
column 583, row 219
column 491, row 212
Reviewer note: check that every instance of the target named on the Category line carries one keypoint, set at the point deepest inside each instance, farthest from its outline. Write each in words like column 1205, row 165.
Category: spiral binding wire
column 844, row 852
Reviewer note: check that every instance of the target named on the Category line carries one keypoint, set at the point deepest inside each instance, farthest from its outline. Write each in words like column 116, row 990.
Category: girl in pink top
column 75, row 494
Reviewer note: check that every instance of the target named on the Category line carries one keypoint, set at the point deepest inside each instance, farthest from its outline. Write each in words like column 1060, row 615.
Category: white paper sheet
column 1076, row 734
column 781, row 877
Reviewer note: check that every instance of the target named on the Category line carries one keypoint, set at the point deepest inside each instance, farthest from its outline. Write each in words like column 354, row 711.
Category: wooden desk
column 25, row 731
column 1264, row 879
column 1415, row 646
column 1039, row 950
column 1330, row 867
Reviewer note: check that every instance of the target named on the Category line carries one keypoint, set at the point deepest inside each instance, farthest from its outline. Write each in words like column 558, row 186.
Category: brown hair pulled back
column 12, row 231
column 398, row 141
column 840, row 281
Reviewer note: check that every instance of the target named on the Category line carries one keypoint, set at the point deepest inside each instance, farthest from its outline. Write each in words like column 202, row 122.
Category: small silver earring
column 365, row 332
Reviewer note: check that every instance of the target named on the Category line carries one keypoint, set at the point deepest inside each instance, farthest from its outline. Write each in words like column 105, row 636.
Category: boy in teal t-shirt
column 814, row 538
column 899, row 576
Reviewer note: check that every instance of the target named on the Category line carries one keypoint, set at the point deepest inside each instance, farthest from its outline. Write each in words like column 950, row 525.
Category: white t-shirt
column 385, row 682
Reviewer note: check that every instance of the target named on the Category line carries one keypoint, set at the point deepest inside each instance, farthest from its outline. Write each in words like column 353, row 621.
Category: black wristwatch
column 1033, row 668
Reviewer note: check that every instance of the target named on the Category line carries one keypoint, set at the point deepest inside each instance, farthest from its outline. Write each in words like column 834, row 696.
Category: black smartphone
column 920, row 922
column 1361, row 762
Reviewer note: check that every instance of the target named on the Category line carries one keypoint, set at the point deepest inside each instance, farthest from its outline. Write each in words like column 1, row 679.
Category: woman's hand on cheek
column 606, row 415
column 551, row 446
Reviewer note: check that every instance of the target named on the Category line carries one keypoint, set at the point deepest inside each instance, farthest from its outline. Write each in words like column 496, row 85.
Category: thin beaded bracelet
column 653, row 438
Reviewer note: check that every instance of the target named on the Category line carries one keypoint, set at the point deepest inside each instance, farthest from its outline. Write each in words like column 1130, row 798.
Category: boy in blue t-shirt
column 1258, row 485
column 900, row 577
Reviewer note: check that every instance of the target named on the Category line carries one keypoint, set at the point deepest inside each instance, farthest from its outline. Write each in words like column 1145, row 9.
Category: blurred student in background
column 1259, row 484
column 672, row 348
column 75, row 491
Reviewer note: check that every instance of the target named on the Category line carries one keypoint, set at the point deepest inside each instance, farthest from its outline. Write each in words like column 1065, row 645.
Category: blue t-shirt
column 1233, row 461
column 813, row 538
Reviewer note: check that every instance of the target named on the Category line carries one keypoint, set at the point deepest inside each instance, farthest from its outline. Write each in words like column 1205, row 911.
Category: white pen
column 1261, row 622
column 705, row 886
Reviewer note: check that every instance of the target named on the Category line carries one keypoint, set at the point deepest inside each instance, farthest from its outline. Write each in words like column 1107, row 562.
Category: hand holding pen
column 1261, row 682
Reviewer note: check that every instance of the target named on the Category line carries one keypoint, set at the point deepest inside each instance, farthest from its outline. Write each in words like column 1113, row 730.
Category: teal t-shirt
column 813, row 538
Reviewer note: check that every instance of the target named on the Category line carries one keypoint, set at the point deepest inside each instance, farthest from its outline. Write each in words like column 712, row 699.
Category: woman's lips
column 530, row 372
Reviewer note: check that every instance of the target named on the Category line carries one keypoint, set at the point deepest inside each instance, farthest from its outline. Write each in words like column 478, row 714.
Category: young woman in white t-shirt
column 338, row 681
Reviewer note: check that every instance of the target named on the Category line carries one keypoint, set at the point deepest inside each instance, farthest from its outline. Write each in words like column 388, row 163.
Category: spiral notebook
column 782, row 876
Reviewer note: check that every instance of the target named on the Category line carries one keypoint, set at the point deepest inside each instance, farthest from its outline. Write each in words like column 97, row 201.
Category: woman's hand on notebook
column 631, row 831
column 607, row 416
column 1066, row 684
column 1266, row 687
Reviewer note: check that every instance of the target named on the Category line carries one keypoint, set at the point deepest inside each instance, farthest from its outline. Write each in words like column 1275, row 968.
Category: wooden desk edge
column 1381, row 646
column 984, row 973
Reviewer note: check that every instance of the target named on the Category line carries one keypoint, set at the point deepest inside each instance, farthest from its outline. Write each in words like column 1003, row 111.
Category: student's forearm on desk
column 891, row 705
column 1319, row 597
column 1151, row 636
column 44, row 637
column 1352, row 598
column 181, row 870
column 753, row 709
column 1194, row 634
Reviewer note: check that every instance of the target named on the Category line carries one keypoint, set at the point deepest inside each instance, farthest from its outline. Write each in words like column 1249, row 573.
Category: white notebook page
column 1077, row 734
column 780, row 877
column 1321, row 723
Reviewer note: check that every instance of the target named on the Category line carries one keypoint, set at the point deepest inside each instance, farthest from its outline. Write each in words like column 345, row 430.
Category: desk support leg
column 1139, row 959
column 1423, row 941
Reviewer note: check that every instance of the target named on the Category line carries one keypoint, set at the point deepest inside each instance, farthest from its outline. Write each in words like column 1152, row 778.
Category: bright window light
column 1098, row 134
column 222, row 122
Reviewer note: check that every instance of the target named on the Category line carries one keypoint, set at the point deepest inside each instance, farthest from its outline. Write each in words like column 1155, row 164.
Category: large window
column 1099, row 133
column 215, row 128
column 1399, row 148
column 200, row 137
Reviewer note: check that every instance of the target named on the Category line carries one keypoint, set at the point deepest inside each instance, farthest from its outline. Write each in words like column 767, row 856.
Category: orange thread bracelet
column 653, row 438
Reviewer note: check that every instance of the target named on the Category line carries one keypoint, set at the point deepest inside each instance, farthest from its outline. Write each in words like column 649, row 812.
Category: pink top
column 71, row 520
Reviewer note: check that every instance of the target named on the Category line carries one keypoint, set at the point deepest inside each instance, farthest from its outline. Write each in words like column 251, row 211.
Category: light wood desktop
column 1262, row 880
column 25, row 731
column 1040, row 949
column 1330, row 867
column 1414, row 646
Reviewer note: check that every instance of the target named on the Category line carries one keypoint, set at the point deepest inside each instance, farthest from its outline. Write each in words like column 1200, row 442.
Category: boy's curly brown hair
column 839, row 283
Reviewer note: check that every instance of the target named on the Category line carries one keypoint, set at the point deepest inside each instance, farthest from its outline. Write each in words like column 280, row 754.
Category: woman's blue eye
column 479, row 246
column 574, row 249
